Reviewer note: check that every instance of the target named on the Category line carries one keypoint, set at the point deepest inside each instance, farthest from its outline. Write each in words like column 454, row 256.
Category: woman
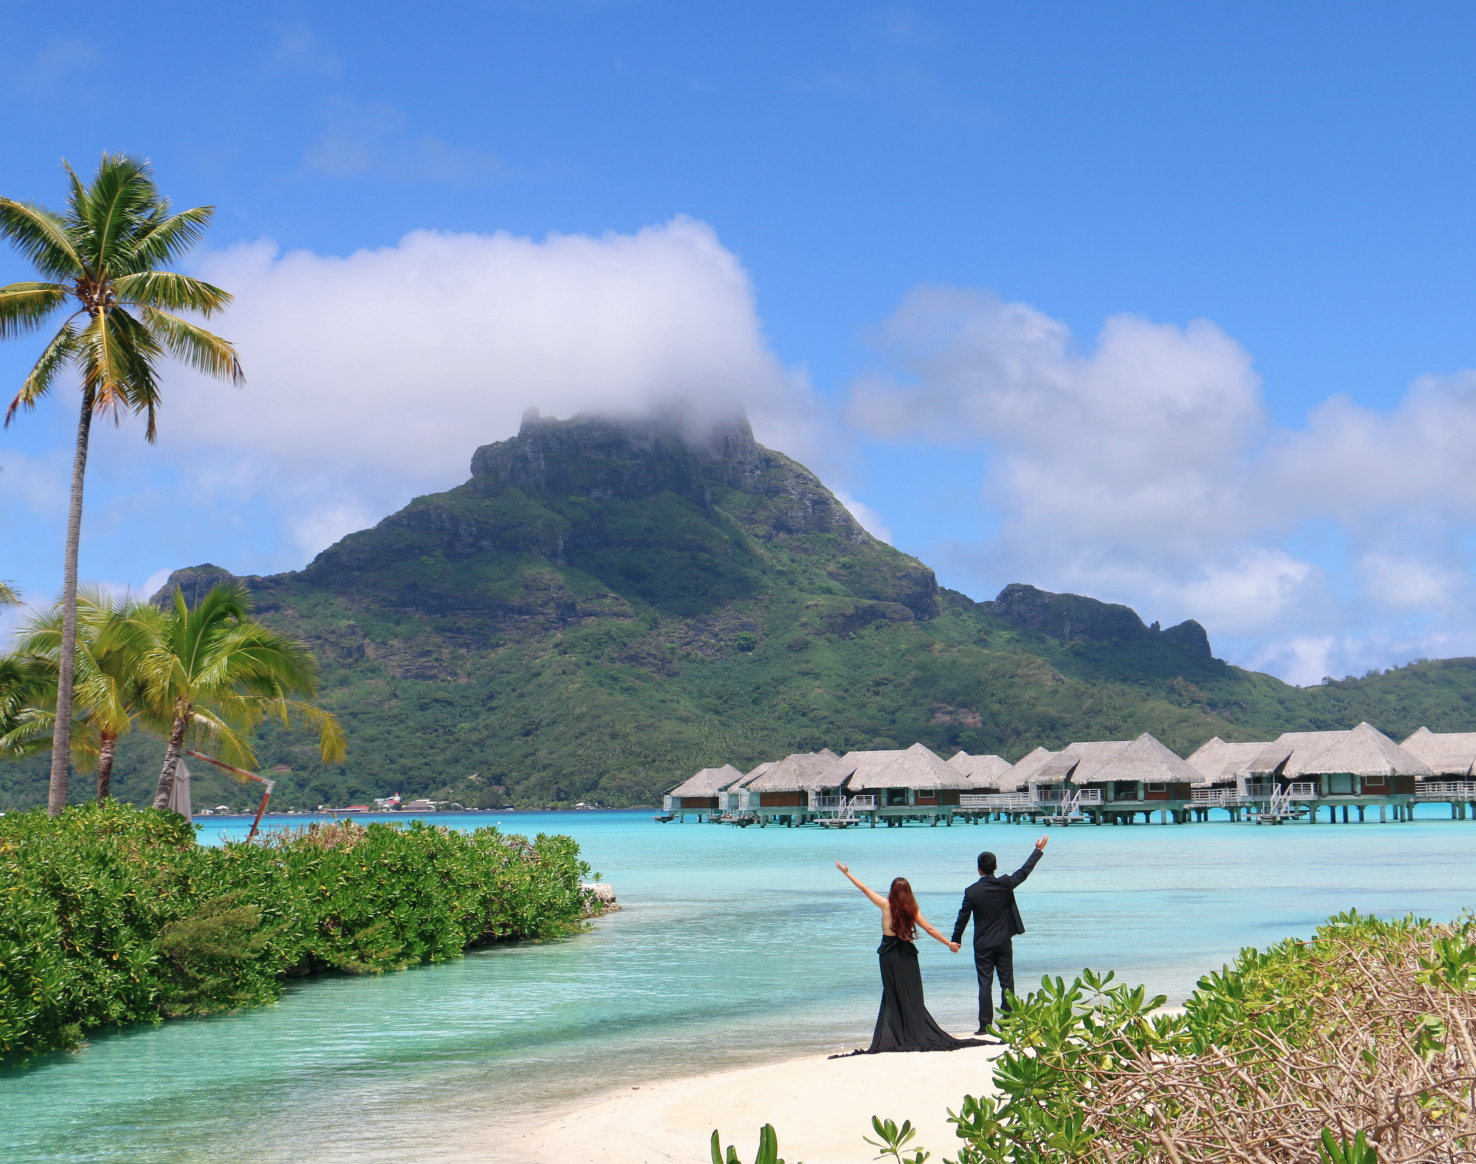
column 903, row 1022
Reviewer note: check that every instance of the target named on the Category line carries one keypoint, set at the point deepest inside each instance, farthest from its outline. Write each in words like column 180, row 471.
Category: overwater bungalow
column 1223, row 766
column 1451, row 758
column 1448, row 755
column 915, row 782
column 1115, row 780
column 699, row 793
column 732, row 798
column 782, row 792
column 1344, row 770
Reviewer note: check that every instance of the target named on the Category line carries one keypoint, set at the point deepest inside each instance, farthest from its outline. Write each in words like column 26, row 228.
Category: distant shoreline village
column 1115, row 782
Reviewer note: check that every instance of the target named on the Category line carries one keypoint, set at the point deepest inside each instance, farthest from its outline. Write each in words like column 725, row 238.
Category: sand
column 820, row 1108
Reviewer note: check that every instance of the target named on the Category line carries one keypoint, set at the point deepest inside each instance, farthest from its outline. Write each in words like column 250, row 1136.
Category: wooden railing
column 1445, row 790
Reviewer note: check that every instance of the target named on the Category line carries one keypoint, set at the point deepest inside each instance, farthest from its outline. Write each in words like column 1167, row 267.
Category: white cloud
column 1145, row 471
column 374, row 376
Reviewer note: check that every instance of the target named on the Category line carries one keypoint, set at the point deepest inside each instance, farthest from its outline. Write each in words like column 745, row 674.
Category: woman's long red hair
column 903, row 907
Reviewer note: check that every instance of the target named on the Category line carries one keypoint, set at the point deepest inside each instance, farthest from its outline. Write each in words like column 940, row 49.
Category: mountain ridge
column 608, row 605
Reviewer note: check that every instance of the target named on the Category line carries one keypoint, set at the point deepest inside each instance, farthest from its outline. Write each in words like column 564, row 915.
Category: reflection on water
column 733, row 947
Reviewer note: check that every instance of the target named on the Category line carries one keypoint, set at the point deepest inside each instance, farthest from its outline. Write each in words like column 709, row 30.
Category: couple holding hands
column 903, row 1022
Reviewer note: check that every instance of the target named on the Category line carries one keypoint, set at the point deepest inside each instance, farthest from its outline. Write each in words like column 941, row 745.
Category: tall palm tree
column 215, row 672
column 109, row 689
column 102, row 258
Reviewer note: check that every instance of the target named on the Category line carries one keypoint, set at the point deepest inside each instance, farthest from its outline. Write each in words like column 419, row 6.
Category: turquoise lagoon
column 734, row 947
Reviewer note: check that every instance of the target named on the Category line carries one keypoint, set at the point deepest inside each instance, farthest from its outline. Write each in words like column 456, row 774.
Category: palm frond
column 209, row 731
column 41, row 235
column 191, row 344
column 165, row 241
column 63, row 347
column 25, row 306
column 121, row 193
column 9, row 595
column 171, row 291
column 332, row 745
column 117, row 355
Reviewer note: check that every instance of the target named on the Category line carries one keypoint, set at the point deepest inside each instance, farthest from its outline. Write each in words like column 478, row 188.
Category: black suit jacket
column 990, row 901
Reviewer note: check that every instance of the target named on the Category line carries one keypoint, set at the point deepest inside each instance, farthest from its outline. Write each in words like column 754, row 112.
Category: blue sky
column 951, row 255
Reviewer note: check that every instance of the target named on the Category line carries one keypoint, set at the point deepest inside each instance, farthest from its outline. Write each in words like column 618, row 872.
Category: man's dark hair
column 987, row 862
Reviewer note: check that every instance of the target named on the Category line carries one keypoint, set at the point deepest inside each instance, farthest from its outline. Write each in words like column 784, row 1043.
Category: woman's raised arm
column 876, row 898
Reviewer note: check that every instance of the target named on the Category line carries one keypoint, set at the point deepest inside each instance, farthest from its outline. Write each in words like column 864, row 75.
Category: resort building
column 1448, row 755
column 1345, row 770
column 784, row 789
column 1115, row 780
column 699, row 793
column 1104, row 781
column 733, row 797
column 914, row 778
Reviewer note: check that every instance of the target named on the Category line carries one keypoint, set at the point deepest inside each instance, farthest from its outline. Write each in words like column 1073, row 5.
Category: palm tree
column 102, row 258
column 27, row 688
column 9, row 596
column 216, row 672
column 109, row 689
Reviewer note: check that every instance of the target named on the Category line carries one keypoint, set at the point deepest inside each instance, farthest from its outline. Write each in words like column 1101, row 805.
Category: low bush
column 112, row 915
column 1352, row 1047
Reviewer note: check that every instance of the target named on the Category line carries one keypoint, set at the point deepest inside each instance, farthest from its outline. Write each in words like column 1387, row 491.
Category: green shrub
column 1354, row 1046
column 112, row 915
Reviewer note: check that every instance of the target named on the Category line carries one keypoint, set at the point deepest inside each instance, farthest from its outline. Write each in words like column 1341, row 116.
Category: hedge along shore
column 112, row 915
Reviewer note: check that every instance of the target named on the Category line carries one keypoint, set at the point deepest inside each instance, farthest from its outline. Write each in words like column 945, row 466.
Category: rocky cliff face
column 626, row 460
column 1075, row 618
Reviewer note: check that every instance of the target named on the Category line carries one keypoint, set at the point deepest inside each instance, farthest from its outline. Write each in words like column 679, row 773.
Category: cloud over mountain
column 374, row 375
column 1145, row 470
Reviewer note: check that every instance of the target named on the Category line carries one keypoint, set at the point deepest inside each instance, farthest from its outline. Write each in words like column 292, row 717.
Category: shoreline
column 820, row 1108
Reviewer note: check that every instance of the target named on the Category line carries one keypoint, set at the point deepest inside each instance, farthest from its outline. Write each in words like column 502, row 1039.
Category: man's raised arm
column 1023, row 871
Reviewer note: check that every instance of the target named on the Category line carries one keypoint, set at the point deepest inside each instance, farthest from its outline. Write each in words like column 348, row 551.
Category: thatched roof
column 1219, row 762
column 1143, row 759
column 984, row 772
column 1363, row 751
column 708, row 782
column 797, row 772
column 1079, row 761
column 914, row 767
column 1445, row 753
column 1025, row 769
column 858, row 763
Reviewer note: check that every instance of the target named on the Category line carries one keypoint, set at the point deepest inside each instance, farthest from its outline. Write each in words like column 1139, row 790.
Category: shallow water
column 733, row 947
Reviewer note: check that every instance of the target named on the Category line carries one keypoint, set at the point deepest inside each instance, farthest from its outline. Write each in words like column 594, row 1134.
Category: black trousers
column 989, row 961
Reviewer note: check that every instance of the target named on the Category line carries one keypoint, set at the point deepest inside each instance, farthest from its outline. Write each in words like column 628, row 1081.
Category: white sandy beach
column 820, row 1108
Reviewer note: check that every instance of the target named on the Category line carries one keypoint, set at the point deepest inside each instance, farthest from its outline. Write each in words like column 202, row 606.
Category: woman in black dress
column 903, row 1022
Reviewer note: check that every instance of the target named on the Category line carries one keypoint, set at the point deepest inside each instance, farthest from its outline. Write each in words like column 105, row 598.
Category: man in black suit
column 990, row 901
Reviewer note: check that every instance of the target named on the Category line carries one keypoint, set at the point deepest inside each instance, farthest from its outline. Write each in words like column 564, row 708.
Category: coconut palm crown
column 213, row 672
column 109, row 690
column 101, row 264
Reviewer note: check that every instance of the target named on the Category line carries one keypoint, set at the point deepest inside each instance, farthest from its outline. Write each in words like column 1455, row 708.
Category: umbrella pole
column 260, row 809
column 265, row 796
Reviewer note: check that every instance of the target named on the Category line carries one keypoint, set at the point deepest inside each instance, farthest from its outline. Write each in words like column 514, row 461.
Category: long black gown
column 903, row 1022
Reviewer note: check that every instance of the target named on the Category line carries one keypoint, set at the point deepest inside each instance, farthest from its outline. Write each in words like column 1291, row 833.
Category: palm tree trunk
column 61, row 736
column 171, row 757
column 106, row 746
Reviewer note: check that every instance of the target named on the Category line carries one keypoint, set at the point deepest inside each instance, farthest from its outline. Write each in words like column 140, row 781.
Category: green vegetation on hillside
column 114, row 915
column 603, row 608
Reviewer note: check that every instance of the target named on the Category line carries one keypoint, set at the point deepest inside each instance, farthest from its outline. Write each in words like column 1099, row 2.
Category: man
column 991, row 902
